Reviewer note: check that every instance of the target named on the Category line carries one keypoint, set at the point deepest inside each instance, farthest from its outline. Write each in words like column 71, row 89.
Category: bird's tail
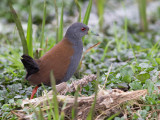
column 30, row 65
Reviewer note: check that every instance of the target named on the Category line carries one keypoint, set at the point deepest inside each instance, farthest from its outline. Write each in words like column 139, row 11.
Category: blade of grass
column 47, row 111
column 50, row 110
column 158, row 12
column 154, row 49
column 105, row 51
column 19, row 28
column 13, row 58
column 55, row 101
column 62, row 117
column 40, row 114
column 29, row 32
column 87, row 14
column 133, row 51
column 51, row 113
column 42, row 31
column 75, row 105
column 104, row 85
column 125, row 28
column 34, row 110
column 113, row 116
column 60, row 29
column 91, row 112
column 116, row 38
column 79, row 10
column 56, row 13
column 142, row 14
column 126, row 32
column 100, row 8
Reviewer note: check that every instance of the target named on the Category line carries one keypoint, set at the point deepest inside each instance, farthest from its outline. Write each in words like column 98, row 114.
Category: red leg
column 34, row 92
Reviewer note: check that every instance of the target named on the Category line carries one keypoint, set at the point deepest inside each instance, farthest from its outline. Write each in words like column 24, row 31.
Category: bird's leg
column 34, row 91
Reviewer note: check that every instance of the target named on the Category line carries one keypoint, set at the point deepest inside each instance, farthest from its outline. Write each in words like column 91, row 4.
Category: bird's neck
column 77, row 42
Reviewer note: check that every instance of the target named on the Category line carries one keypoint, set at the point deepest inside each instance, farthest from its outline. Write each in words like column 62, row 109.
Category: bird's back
column 57, row 59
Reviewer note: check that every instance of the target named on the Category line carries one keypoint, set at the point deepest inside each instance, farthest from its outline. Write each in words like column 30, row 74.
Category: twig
column 107, row 77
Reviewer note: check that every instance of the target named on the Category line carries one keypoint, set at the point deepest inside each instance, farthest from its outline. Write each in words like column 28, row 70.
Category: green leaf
column 42, row 31
column 56, row 14
column 55, row 101
column 126, row 74
column 19, row 28
column 29, row 32
column 143, row 113
column 87, row 14
column 40, row 114
column 6, row 107
column 158, row 60
column 79, row 10
column 122, row 85
column 60, row 29
column 144, row 65
column 150, row 86
column 135, row 85
column 143, row 76
column 142, row 14
column 100, row 8
column 135, row 116
column 157, row 83
column 113, row 116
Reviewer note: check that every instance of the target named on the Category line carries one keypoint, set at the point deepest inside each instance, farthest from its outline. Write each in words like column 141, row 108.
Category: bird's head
column 77, row 31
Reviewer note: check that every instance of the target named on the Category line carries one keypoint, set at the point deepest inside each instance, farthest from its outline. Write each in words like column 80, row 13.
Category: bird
column 63, row 59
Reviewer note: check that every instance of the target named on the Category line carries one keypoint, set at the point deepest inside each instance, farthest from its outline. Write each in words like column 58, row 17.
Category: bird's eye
column 83, row 29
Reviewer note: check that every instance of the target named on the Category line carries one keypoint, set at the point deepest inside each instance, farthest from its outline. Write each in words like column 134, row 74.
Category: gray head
column 76, row 31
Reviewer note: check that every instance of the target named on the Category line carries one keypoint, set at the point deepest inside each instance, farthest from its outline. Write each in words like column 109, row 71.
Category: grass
column 57, row 20
column 135, row 65
column 29, row 32
column 105, row 50
column 74, row 109
column 118, row 42
column 42, row 30
column 19, row 27
column 79, row 10
column 55, row 101
column 60, row 29
column 126, row 31
column 87, row 13
column 143, row 15
column 100, row 9
column 91, row 112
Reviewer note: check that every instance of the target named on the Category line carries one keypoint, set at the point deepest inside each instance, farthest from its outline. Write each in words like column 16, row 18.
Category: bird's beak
column 90, row 32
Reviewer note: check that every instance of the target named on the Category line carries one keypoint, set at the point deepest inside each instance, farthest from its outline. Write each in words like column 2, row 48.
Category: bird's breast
column 75, row 59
